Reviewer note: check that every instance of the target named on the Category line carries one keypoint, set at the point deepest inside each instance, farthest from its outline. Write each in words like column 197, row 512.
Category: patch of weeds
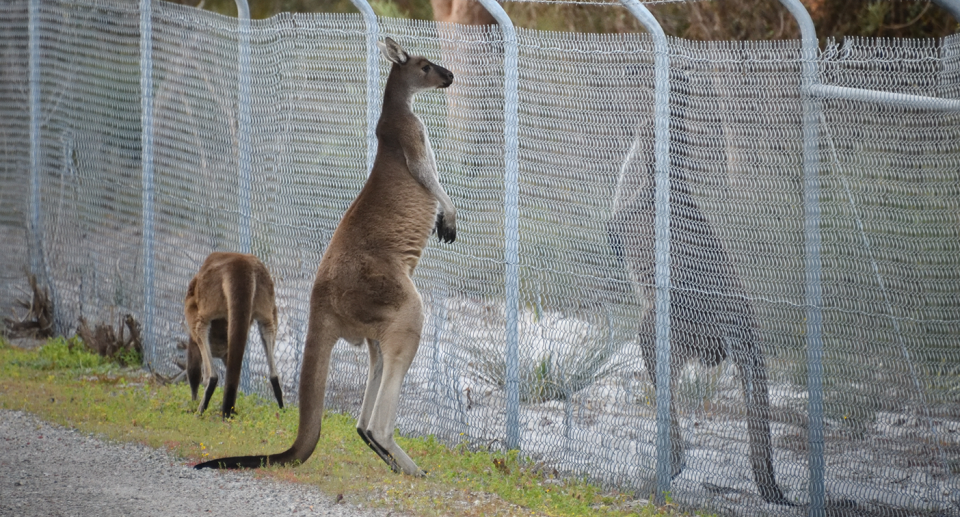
column 561, row 355
column 61, row 354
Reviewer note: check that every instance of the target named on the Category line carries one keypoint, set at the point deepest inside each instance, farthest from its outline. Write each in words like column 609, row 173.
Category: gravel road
column 47, row 470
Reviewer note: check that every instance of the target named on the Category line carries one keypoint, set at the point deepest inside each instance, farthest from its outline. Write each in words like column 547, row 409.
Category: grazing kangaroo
column 710, row 316
column 363, row 291
column 230, row 291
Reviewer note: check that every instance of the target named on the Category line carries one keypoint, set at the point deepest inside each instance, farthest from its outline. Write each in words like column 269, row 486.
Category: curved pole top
column 808, row 32
column 363, row 6
column 243, row 10
column 951, row 6
column 647, row 19
column 496, row 10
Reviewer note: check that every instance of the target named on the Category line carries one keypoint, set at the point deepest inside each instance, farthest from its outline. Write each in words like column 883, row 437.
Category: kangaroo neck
column 397, row 97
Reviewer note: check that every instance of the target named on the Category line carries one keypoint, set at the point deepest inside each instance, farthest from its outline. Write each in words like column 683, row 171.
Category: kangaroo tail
column 250, row 462
column 753, row 375
column 240, row 290
column 313, row 382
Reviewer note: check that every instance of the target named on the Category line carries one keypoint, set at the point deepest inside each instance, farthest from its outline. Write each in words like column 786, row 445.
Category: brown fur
column 363, row 291
column 224, row 298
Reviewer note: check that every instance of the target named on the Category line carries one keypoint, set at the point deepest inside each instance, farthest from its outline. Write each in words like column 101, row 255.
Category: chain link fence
column 889, row 208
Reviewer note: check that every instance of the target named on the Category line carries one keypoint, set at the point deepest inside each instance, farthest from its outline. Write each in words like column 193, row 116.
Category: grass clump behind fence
column 65, row 383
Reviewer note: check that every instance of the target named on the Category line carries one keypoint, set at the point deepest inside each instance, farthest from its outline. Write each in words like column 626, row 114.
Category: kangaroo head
column 416, row 72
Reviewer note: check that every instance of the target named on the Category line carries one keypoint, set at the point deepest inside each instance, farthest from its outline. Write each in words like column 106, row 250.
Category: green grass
column 64, row 383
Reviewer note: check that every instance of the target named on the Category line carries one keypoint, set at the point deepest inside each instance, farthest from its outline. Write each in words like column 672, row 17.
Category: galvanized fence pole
column 951, row 6
column 244, row 152
column 373, row 78
column 244, row 146
column 661, row 223
column 146, row 161
column 811, row 181
column 37, row 262
column 511, row 218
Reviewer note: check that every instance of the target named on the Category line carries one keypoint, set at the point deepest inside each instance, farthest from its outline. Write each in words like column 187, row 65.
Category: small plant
column 560, row 356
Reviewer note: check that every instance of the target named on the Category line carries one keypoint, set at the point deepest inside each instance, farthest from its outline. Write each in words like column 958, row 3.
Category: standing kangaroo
column 229, row 292
column 710, row 316
column 363, row 291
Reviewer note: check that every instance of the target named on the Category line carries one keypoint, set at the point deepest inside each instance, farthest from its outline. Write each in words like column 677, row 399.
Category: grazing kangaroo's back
column 228, row 293
column 363, row 291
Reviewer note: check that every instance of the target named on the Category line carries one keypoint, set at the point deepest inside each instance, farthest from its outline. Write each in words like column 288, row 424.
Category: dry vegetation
column 37, row 323
column 123, row 345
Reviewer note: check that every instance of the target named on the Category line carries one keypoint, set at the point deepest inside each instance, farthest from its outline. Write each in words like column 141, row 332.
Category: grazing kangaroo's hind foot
column 275, row 382
column 363, row 291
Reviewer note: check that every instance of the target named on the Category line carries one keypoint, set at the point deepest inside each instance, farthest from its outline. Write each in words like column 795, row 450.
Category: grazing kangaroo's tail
column 240, row 291
column 313, row 382
column 245, row 462
column 753, row 375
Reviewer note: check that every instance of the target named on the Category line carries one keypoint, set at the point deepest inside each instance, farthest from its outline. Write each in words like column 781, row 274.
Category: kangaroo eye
column 426, row 68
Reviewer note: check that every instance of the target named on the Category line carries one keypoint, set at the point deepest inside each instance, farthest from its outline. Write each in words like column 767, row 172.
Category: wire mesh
column 889, row 201
column 14, row 124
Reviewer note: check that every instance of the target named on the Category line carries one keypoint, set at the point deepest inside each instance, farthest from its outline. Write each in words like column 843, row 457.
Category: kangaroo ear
column 393, row 51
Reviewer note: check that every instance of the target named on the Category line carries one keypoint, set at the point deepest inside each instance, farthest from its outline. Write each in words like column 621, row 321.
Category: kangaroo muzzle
column 446, row 75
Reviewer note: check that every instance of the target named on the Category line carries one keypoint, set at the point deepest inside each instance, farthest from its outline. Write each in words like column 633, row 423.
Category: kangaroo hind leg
column 374, row 376
column 268, row 333
column 202, row 332
column 397, row 350
column 194, row 367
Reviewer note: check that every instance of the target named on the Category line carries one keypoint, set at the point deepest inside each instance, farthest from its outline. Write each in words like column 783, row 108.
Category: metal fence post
column 373, row 78
column 661, row 149
column 811, row 182
column 511, row 218
column 951, row 6
column 37, row 263
column 244, row 151
column 146, row 161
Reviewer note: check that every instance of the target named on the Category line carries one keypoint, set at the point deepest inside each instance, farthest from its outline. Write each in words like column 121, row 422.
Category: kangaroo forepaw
column 446, row 230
